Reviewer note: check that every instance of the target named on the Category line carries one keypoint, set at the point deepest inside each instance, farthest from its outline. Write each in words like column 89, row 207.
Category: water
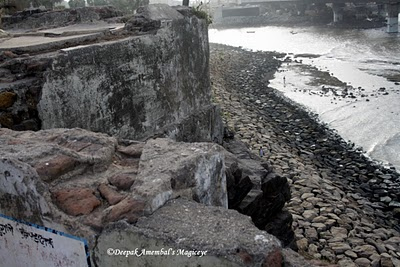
column 366, row 61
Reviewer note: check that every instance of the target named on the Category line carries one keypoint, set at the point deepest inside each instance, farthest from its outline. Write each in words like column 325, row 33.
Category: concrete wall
column 131, row 88
column 151, row 80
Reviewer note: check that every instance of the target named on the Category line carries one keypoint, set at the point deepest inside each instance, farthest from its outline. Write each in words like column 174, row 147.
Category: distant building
column 62, row 4
column 168, row 2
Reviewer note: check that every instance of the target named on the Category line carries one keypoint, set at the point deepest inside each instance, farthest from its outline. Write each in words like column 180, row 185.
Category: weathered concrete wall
column 132, row 88
column 151, row 79
column 38, row 18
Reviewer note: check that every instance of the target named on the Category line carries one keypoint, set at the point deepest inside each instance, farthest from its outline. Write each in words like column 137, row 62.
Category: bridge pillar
column 337, row 12
column 392, row 18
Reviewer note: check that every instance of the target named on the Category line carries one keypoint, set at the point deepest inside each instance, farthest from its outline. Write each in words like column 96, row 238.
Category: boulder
column 280, row 226
column 186, row 233
column 170, row 169
column 76, row 201
column 237, row 186
column 90, row 181
column 58, row 152
column 21, row 191
column 270, row 202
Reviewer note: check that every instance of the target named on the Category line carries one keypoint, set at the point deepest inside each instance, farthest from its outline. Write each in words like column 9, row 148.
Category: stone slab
column 227, row 237
column 170, row 169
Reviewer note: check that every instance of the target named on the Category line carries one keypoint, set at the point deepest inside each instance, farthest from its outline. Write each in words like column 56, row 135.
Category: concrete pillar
column 337, row 12
column 392, row 19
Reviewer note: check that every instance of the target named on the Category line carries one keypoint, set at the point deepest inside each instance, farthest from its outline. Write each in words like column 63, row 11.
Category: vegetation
column 201, row 13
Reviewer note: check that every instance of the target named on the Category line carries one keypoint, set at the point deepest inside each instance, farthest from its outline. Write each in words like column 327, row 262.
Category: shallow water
column 369, row 115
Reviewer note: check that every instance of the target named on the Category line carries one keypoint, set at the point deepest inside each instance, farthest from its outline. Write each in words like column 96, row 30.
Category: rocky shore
column 346, row 208
column 147, row 172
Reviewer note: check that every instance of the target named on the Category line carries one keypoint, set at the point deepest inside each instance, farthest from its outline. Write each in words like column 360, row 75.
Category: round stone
column 350, row 254
column 362, row 262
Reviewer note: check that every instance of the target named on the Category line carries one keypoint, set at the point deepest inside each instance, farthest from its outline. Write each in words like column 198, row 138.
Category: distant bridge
column 392, row 8
column 244, row 2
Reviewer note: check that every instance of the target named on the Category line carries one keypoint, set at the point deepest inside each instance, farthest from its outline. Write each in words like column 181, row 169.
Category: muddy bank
column 345, row 207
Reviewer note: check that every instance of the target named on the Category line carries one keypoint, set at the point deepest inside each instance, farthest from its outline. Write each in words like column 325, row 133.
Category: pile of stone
column 345, row 207
column 163, row 193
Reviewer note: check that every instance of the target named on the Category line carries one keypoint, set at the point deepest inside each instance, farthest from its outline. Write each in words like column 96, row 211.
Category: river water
column 348, row 78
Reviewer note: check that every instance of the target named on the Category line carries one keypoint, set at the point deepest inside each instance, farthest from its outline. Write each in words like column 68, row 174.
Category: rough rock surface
column 32, row 204
column 255, row 190
column 85, row 173
column 229, row 238
column 168, row 169
column 91, row 174
column 79, row 182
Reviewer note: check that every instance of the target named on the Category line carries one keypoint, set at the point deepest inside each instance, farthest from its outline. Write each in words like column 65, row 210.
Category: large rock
column 229, row 239
column 86, row 180
column 170, row 169
column 237, row 186
column 54, row 153
column 254, row 190
column 249, row 164
column 275, row 193
column 79, row 182
column 21, row 191
column 51, row 177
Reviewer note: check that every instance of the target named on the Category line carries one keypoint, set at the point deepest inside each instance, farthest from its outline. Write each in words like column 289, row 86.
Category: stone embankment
column 345, row 208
